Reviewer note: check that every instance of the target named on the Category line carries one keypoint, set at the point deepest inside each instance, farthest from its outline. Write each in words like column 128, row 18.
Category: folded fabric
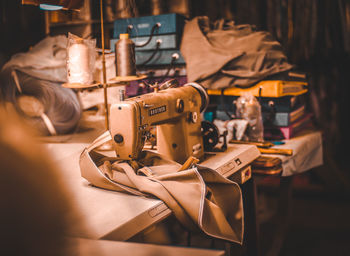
column 224, row 55
column 199, row 197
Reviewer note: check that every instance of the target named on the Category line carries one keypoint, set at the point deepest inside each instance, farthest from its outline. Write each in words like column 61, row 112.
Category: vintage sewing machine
column 176, row 114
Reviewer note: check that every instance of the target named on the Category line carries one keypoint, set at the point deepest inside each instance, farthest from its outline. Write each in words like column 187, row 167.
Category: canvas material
column 199, row 197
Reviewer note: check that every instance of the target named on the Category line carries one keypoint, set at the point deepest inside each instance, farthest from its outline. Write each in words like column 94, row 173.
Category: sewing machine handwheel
column 210, row 135
column 203, row 93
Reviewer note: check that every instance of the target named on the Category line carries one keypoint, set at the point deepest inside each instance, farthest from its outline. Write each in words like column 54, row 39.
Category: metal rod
column 104, row 68
column 47, row 23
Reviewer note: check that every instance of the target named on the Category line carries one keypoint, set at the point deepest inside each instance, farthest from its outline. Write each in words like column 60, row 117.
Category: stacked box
column 160, row 59
column 283, row 103
column 167, row 31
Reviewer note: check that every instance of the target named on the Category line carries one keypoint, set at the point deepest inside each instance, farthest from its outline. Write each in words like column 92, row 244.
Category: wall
column 21, row 26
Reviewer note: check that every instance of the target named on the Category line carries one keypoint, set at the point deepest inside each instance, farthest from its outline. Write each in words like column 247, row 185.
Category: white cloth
column 307, row 153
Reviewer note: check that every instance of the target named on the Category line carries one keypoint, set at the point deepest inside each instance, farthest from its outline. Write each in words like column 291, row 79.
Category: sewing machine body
column 175, row 112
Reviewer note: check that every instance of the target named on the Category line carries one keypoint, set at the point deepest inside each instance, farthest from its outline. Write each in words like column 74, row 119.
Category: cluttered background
column 313, row 35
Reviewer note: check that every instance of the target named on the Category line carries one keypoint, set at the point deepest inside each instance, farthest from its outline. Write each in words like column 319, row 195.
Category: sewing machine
column 176, row 114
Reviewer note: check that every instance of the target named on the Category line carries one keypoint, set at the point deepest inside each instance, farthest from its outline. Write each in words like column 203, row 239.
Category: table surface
column 104, row 214
column 307, row 153
column 87, row 247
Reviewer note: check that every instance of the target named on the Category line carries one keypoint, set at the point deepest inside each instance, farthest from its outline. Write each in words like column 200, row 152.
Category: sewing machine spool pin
column 121, row 95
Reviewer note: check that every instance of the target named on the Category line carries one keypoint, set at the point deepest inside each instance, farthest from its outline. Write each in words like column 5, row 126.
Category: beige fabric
column 199, row 197
column 221, row 55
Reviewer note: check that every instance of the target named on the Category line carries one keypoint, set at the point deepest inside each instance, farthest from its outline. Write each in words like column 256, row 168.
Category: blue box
column 166, row 42
column 141, row 26
column 161, row 57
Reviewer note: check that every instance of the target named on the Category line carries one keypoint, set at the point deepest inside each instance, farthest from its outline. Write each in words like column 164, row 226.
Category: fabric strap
column 199, row 197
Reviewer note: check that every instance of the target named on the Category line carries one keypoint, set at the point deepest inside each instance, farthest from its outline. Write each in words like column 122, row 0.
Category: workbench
column 104, row 214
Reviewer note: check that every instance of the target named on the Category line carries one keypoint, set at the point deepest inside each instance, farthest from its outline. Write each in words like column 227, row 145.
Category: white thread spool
column 78, row 64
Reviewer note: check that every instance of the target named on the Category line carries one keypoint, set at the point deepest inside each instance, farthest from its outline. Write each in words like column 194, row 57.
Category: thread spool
column 78, row 63
column 125, row 56
column 47, row 106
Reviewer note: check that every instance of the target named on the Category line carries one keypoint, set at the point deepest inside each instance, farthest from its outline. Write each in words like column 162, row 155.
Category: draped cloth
column 223, row 54
column 199, row 197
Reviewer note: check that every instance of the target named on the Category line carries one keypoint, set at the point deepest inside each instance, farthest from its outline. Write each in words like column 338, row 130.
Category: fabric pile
column 221, row 54
column 197, row 196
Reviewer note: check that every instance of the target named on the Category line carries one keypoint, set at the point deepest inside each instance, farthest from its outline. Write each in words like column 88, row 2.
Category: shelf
column 74, row 23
